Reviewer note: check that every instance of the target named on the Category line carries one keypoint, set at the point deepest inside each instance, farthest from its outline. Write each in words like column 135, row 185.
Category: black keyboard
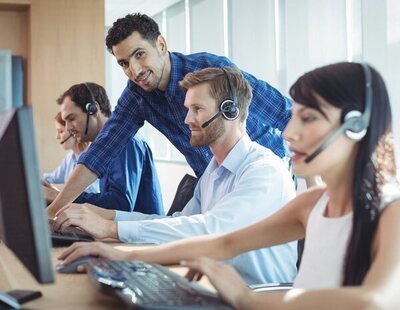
column 150, row 286
column 68, row 236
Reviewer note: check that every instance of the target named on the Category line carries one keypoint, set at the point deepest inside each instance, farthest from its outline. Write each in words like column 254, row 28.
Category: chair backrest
column 183, row 193
column 300, row 249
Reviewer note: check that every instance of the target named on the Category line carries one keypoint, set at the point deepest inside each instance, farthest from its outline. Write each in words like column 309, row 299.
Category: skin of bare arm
column 80, row 178
column 379, row 290
column 287, row 224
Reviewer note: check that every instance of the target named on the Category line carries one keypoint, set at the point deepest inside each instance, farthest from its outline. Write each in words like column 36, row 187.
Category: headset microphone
column 324, row 145
column 66, row 139
column 355, row 123
column 205, row 124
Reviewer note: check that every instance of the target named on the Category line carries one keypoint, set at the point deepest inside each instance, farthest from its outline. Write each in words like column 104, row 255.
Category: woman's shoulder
column 312, row 195
column 391, row 209
column 390, row 195
column 305, row 202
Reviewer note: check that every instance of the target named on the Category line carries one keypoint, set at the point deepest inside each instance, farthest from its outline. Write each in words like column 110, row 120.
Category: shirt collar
column 235, row 157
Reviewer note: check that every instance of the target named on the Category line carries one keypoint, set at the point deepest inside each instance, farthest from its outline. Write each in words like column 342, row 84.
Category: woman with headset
column 68, row 142
column 340, row 129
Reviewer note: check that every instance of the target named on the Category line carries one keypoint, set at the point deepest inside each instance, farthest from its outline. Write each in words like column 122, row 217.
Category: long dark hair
column 343, row 86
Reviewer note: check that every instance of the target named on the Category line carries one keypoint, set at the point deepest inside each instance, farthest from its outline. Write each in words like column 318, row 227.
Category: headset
column 228, row 108
column 355, row 123
column 91, row 107
column 67, row 138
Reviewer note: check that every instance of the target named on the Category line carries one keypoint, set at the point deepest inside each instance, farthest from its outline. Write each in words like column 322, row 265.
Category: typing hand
column 82, row 216
column 98, row 249
column 223, row 277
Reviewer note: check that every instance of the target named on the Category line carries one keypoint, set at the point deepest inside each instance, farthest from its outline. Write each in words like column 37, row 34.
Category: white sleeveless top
column 325, row 248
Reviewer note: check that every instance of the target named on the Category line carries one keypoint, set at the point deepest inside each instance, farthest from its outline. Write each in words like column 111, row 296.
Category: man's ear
column 161, row 45
column 98, row 111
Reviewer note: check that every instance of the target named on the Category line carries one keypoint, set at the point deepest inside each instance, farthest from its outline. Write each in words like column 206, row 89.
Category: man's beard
column 214, row 131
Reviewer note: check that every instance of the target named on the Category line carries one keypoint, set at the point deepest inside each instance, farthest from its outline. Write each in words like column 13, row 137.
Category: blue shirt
column 250, row 184
column 269, row 113
column 130, row 182
column 61, row 174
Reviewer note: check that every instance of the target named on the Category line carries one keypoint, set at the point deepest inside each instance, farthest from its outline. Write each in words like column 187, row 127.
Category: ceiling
column 115, row 9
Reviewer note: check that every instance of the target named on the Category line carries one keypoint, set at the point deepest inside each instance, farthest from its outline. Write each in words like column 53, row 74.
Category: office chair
column 275, row 287
column 183, row 193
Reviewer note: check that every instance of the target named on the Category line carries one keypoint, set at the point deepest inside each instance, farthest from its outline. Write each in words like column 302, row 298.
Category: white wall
column 275, row 40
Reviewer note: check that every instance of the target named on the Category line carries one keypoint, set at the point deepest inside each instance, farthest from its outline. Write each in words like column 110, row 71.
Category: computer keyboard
column 68, row 235
column 150, row 286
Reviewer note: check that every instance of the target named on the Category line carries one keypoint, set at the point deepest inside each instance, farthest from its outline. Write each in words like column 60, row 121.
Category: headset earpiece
column 91, row 108
column 229, row 108
column 354, row 125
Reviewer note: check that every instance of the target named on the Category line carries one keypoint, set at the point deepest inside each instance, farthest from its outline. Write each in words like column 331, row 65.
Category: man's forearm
column 113, row 230
column 80, row 178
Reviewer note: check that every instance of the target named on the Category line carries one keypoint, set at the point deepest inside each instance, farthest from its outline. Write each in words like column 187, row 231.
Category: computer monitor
column 23, row 222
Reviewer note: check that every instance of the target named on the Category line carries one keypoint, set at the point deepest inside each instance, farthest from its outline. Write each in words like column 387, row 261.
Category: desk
column 70, row 291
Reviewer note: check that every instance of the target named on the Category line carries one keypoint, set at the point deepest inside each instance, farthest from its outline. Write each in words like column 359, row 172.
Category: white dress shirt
column 250, row 184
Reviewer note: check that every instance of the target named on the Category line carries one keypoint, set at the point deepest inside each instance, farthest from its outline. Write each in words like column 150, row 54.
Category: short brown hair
column 82, row 93
column 219, row 86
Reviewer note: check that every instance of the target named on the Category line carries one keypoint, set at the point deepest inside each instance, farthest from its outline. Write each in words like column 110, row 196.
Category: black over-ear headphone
column 228, row 108
column 355, row 123
column 91, row 107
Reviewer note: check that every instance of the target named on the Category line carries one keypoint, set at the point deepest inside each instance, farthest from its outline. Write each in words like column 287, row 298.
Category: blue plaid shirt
column 269, row 112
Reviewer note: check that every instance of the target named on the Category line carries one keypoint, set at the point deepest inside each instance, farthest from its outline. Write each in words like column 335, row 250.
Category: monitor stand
column 14, row 279
column 7, row 301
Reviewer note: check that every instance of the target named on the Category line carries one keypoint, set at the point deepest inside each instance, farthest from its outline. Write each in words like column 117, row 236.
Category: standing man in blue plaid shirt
column 153, row 95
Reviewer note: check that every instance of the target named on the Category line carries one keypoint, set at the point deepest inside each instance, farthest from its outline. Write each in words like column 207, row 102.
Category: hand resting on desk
column 76, row 266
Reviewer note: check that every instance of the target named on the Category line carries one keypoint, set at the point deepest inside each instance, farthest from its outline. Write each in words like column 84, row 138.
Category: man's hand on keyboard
column 82, row 215
column 97, row 249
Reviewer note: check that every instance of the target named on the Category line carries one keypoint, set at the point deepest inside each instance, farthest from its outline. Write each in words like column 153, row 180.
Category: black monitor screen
column 23, row 222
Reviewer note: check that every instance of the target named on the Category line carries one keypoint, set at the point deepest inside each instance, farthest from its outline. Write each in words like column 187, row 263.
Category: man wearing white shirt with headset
column 243, row 183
